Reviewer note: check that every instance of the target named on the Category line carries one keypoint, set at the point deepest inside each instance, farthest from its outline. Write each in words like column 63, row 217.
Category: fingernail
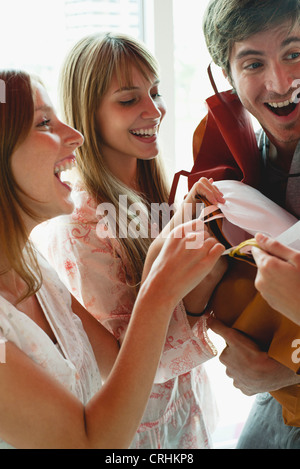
column 260, row 237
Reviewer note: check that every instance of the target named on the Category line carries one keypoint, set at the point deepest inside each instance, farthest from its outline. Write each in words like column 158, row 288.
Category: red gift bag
column 224, row 143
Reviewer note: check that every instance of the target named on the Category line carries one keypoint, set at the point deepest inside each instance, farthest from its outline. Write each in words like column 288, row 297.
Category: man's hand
column 251, row 369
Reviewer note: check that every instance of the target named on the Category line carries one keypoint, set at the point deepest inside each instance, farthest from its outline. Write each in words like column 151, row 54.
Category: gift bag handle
column 186, row 173
column 211, row 79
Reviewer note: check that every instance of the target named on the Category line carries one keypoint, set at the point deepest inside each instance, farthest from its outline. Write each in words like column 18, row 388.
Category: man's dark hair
column 229, row 21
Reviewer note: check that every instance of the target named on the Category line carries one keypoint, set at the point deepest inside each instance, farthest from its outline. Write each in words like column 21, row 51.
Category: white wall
column 159, row 36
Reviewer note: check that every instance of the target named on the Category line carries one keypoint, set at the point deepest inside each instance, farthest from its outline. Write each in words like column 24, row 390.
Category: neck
column 127, row 175
column 123, row 168
column 30, row 224
column 11, row 286
column 281, row 154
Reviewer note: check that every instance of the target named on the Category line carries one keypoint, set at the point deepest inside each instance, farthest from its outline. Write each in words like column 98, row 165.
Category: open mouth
column 284, row 108
column 145, row 133
column 62, row 166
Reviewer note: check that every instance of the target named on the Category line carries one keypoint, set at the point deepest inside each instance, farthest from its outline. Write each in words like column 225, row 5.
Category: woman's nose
column 73, row 137
column 151, row 109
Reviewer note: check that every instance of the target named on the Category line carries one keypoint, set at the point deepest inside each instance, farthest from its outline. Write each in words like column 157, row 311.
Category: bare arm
column 104, row 344
column 37, row 412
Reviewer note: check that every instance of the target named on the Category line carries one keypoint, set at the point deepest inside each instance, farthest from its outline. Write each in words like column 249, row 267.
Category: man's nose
column 279, row 80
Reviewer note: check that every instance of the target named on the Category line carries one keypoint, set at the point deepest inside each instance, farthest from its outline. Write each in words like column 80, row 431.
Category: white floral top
column 181, row 411
column 71, row 360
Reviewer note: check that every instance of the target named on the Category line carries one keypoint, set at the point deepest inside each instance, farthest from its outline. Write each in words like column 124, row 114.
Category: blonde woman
column 110, row 92
column 54, row 355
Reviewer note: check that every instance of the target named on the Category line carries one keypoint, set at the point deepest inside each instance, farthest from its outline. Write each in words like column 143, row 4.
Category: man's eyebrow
column 289, row 41
column 244, row 53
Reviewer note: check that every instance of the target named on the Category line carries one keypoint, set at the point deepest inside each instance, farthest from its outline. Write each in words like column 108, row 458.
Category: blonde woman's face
column 37, row 162
column 128, row 122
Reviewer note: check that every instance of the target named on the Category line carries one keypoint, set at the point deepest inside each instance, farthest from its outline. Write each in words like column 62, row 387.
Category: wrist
column 155, row 291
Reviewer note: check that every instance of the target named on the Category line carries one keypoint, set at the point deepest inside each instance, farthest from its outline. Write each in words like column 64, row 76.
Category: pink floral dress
column 181, row 411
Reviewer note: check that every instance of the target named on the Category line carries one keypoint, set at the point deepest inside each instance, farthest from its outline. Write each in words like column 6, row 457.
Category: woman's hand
column 50, row 416
column 278, row 276
column 192, row 205
column 204, row 188
column 196, row 299
column 188, row 255
column 188, row 210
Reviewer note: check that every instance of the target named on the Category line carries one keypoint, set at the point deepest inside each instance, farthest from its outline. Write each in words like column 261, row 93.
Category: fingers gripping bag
column 235, row 301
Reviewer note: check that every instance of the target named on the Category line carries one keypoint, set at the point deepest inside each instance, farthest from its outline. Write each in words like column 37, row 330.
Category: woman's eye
column 127, row 102
column 44, row 123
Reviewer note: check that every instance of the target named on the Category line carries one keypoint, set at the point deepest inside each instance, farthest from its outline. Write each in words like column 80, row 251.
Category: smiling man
column 257, row 45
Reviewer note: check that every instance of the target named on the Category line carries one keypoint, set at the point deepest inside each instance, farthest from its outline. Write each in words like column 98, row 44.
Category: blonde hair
column 16, row 117
column 86, row 76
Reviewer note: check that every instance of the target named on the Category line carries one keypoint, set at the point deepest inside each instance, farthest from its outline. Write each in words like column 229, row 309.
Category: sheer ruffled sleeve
column 185, row 348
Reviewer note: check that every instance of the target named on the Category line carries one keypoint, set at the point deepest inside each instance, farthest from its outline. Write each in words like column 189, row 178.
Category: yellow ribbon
column 236, row 251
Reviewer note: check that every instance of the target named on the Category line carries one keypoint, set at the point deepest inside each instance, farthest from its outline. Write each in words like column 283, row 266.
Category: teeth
column 146, row 132
column 283, row 104
column 65, row 167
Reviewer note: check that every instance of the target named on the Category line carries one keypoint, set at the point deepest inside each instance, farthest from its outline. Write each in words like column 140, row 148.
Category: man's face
column 264, row 71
